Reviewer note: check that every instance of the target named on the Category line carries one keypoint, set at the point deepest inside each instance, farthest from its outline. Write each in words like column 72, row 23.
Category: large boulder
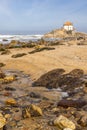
column 56, row 78
column 49, row 77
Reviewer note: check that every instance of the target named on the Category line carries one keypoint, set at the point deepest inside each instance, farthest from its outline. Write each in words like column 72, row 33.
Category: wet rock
column 83, row 121
column 9, row 79
column 35, row 95
column 7, row 116
column 77, row 73
column 17, row 117
column 11, row 101
column 2, row 75
column 56, row 79
column 5, row 127
column 6, row 110
column 86, row 84
column 7, row 94
column 81, row 117
column 49, row 77
column 6, row 52
column 38, row 48
column 62, row 122
column 10, row 89
column 18, row 55
column 12, row 124
column 68, row 82
column 72, row 103
column 14, row 42
column 2, row 121
column 26, row 112
column 85, row 89
column 85, row 108
column 2, row 64
column 31, row 111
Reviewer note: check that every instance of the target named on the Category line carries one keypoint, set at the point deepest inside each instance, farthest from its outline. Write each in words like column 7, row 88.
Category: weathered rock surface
column 72, row 103
column 2, row 75
column 2, row 121
column 61, row 33
column 56, row 78
column 31, row 111
column 63, row 122
column 11, row 101
column 49, row 77
column 67, row 129
column 35, row 110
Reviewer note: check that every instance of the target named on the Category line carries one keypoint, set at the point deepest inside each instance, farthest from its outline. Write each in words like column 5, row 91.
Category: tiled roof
column 68, row 23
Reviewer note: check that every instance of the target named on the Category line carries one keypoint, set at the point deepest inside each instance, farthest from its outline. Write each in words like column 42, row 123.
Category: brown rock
column 26, row 112
column 62, row 122
column 35, row 110
column 56, row 78
column 49, row 77
column 85, row 89
column 11, row 101
column 83, row 118
column 12, row 123
column 83, row 121
column 72, row 103
column 2, row 121
column 7, row 94
column 2, row 75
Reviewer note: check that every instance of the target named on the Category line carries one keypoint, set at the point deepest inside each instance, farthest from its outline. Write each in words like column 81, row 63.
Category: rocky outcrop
column 61, row 33
column 58, row 33
column 56, row 78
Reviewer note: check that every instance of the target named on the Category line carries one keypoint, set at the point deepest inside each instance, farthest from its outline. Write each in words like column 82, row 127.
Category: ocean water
column 25, row 38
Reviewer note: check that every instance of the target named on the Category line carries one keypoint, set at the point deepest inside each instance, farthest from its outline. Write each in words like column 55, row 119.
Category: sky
column 41, row 16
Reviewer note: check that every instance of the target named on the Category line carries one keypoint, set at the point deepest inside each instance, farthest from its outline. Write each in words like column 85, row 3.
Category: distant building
column 68, row 26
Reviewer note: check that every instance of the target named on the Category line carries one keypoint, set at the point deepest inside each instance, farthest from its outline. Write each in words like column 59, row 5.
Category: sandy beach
column 64, row 56
column 43, row 65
